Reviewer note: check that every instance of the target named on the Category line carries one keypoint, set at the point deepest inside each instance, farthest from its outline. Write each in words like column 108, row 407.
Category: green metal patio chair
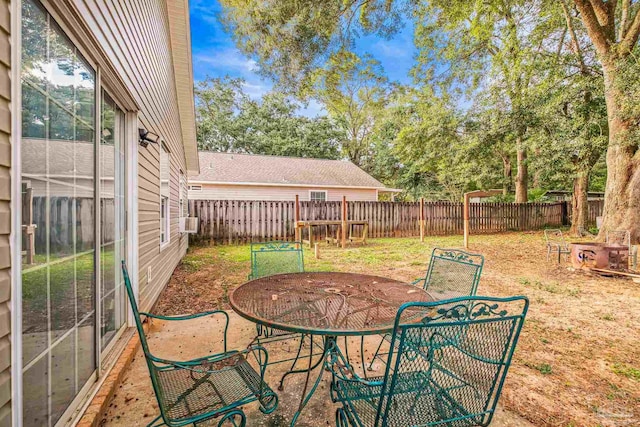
column 449, row 369
column 556, row 243
column 267, row 259
column 452, row 273
column 271, row 258
column 214, row 386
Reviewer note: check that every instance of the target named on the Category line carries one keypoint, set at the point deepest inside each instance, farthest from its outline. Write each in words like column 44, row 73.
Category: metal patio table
column 326, row 304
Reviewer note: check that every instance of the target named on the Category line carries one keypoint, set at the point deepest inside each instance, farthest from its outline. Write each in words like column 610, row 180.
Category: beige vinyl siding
column 273, row 192
column 5, row 213
column 135, row 37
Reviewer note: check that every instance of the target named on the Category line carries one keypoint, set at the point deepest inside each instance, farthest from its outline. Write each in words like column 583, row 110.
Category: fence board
column 233, row 222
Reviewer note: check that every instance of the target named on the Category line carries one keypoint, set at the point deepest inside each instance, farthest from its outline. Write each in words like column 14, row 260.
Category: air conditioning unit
column 189, row 224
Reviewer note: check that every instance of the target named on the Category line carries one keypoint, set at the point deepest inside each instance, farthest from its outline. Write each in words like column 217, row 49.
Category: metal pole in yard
column 296, row 219
column 422, row 219
column 344, row 222
column 466, row 220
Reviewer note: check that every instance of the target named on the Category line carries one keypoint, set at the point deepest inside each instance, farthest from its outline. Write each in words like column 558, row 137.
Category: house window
column 318, row 196
column 164, row 195
column 195, row 187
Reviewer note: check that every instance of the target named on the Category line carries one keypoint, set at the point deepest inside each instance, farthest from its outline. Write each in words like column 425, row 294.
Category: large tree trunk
column 622, row 194
column 579, row 204
column 507, row 175
column 522, row 178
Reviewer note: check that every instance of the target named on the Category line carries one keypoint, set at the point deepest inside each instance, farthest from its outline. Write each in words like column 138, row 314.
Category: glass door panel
column 112, row 225
column 58, row 212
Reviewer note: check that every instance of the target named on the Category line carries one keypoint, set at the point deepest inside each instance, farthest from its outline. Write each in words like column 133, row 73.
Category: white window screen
column 318, row 196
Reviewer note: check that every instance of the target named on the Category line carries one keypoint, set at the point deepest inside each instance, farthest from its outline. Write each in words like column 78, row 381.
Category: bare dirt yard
column 577, row 361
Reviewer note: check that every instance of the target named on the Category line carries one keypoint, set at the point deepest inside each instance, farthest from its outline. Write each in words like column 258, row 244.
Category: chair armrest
column 195, row 316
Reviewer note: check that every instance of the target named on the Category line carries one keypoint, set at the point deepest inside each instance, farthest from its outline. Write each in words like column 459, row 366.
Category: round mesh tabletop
column 325, row 303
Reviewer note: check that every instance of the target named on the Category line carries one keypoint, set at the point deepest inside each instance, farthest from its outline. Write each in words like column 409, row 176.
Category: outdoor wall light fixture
column 147, row 136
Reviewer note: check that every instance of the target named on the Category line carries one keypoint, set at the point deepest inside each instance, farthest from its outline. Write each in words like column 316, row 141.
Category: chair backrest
column 272, row 258
column 453, row 273
column 451, row 362
column 554, row 236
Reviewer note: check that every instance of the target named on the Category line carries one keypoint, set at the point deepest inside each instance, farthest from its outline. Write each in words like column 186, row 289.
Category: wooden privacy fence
column 233, row 221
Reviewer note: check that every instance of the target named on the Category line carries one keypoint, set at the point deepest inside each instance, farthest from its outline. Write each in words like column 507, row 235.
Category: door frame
column 15, row 239
column 65, row 14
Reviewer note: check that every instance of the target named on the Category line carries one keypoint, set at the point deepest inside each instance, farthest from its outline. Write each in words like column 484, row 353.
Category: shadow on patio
column 134, row 403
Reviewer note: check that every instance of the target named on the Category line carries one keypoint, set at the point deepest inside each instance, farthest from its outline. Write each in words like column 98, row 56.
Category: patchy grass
column 577, row 359
column 626, row 371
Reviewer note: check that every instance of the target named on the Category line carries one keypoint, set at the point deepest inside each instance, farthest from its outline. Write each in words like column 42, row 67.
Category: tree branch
column 624, row 18
column 596, row 33
column 574, row 37
column 631, row 36
column 606, row 14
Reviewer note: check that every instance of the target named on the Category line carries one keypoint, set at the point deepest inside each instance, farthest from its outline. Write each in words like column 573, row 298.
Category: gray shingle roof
column 259, row 169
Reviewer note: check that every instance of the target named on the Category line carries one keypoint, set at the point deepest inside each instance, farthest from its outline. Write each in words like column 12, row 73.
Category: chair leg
column 342, row 420
column 375, row 355
column 231, row 417
column 155, row 423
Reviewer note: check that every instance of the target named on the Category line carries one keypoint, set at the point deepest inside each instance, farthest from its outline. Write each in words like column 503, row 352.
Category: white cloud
column 206, row 9
column 313, row 109
column 231, row 60
column 393, row 49
column 256, row 89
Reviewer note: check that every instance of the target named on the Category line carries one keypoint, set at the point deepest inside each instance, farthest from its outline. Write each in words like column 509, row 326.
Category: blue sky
column 215, row 53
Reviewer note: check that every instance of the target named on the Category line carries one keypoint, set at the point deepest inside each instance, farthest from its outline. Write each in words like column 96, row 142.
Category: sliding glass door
column 112, row 220
column 67, row 198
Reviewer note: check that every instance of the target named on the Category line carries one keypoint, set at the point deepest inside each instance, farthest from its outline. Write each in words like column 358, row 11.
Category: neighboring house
column 231, row 176
column 564, row 195
column 79, row 192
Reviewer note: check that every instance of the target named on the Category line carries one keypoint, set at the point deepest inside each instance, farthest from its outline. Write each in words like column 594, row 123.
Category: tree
column 429, row 128
column 613, row 28
column 573, row 131
column 492, row 46
column 219, row 104
column 292, row 40
column 229, row 120
column 354, row 91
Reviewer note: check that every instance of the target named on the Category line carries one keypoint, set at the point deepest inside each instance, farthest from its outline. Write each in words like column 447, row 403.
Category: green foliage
column 292, row 40
column 354, row 91
column 229, row 120
column 492, row 78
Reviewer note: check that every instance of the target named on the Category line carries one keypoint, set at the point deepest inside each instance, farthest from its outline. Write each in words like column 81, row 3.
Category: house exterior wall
column 5, row 213
column 253, row 192
column 141, row 53
column 129, row 44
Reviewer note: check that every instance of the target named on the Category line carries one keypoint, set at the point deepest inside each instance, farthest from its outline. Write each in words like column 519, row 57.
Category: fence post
column 466, row 220
column 565, row 213
column 296, row 219
column 344, row 222
column 421, row 219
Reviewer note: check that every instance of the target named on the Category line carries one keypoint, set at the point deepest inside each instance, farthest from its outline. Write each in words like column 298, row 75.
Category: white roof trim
column 269, row 184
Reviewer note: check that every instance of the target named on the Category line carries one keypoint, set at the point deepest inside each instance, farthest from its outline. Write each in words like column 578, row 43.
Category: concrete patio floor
column 134, row 403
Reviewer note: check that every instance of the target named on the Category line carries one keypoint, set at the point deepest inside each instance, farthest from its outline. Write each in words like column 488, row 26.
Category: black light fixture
column 147, row 136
